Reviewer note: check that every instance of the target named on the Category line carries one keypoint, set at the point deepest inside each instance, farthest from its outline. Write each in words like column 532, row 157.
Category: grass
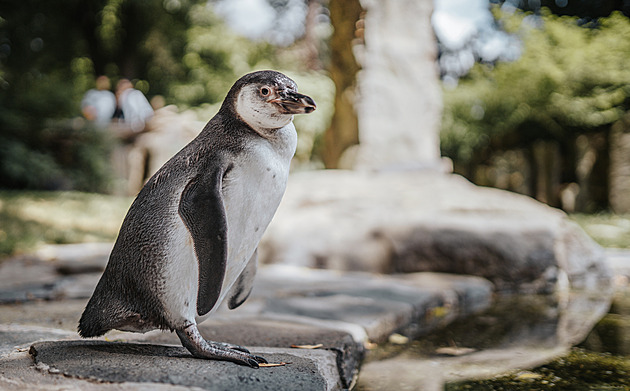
column 30, row 219
column 609, row 230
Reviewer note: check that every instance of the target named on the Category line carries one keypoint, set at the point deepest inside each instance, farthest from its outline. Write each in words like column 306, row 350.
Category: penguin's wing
column 202, row 210
column 243, row 286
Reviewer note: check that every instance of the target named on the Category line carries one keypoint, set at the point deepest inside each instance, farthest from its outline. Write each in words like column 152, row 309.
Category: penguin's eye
column 265, row 91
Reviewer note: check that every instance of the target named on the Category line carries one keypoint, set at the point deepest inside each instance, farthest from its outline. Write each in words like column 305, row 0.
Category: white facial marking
column 254, row 109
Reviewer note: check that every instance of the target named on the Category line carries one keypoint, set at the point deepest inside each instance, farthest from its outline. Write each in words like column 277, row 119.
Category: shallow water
column 600, row 362
column 516, row 334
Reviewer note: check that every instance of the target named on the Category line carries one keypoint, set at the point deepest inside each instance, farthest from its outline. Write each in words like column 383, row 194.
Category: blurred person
column 131, row 157
column 133, row 108
column 99, row 104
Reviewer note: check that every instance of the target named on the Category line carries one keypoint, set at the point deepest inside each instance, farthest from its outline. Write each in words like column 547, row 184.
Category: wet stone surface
column 516, row 333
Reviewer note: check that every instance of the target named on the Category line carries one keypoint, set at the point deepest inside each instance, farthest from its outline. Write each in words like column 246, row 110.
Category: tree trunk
column 344, row 128
column 619, row 182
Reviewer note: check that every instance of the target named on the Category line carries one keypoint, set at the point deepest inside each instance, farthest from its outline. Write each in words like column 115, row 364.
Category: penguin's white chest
column 251, row 193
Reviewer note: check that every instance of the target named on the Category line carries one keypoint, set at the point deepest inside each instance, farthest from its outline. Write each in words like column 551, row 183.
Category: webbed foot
column 193, row 341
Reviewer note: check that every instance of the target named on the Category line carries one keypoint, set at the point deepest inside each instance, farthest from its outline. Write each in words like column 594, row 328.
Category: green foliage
column 569, row 80
column 608, row 230
column 213, row 58
column 51, row 52
column 23, row 167
column 70, row 156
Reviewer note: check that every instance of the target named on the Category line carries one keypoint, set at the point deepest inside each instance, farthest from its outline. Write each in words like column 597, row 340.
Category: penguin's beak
column 294, row 103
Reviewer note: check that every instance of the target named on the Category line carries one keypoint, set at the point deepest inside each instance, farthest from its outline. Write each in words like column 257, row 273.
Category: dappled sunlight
column 32, row 219
column 67, row 211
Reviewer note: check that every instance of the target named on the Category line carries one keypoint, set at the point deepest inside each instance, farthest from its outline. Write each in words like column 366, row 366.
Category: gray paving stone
column 62, row 314
column 76, row 258
column 256, row 331
column 24, row 279
column 14, row 337
column 380, row 304
column 129, row 362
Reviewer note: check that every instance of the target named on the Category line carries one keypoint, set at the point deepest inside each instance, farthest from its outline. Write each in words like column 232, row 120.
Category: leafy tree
column 570, row 80
column 211, row 61
column 585, row 9
column 51, row 52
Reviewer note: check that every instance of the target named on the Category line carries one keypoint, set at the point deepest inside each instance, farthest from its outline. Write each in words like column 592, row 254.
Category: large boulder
column 391, row 222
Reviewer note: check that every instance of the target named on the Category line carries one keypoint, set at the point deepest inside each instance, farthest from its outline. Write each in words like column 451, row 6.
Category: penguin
column 189, row 240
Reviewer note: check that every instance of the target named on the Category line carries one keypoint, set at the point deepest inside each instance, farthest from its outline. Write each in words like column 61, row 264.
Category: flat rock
column 341, row 311
column 58, row 288
column 62, row 314
column 267, row 332
column 138, row 363
column 26, row 278
column 380, row 305
column 14, row 337
column 294, row 306
column 44, row 276
column 76, row 258
column 413, row 221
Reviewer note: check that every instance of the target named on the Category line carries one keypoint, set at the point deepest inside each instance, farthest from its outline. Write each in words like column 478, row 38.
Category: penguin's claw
column 254, row 361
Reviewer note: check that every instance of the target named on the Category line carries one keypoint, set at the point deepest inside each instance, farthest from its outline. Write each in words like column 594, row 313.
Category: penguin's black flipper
column 243, row 286
column 202, row 210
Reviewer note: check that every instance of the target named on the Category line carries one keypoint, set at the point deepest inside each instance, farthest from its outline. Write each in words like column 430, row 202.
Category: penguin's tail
column 93, row 322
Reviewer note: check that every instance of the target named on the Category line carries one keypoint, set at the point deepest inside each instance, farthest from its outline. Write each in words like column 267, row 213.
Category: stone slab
column 132, row 362
column 63, row 314
column 76, row 258
column 15, row 337
column 30, row 278
column 257, row 331
column 379, row 304
column 296, row 306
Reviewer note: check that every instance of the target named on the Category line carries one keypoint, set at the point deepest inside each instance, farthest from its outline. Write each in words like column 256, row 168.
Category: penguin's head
column 268, row 100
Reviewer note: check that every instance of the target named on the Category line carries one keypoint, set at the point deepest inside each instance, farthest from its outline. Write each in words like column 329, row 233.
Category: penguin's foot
column 199, row 347
column 229, row 346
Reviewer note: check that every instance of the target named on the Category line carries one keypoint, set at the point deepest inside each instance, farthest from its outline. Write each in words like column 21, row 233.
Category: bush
column 70, row 155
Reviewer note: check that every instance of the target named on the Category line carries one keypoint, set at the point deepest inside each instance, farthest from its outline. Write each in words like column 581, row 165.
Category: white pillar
column 400, row 99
